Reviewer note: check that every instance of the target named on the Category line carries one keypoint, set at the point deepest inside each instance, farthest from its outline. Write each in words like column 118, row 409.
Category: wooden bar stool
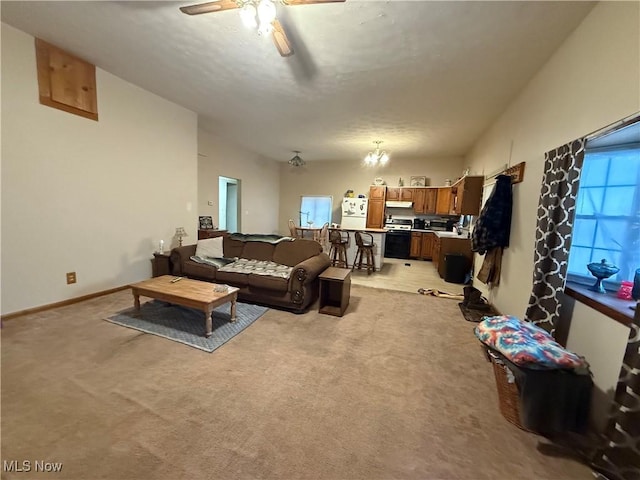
column 365, row 248
column 339, row 240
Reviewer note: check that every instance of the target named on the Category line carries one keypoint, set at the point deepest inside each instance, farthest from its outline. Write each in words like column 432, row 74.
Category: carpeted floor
column 395, row 389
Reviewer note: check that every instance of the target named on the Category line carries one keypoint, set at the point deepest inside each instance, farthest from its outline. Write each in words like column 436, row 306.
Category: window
column 607, row 222
column 315, row 211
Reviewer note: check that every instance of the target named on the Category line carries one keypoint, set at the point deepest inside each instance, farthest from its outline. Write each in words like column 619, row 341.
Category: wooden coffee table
column 188, row 293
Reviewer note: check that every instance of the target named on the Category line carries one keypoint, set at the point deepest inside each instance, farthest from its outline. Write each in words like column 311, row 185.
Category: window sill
column 605, row 303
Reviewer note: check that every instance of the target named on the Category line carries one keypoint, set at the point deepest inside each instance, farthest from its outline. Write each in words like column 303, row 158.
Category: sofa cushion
column 232, row 248
column 292, row 253
column 198, row 270
column 257, row 267
column 258, row 251
column 209, row 247
column 268, row 282
column 232, row 278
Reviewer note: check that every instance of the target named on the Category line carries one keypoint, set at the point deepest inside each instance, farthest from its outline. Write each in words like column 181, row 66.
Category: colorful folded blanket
column 525, row 344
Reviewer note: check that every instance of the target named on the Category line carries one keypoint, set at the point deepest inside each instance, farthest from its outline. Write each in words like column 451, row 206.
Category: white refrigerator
column 354, row 213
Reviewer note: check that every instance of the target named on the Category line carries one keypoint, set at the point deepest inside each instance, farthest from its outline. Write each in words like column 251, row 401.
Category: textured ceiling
column 427, row 78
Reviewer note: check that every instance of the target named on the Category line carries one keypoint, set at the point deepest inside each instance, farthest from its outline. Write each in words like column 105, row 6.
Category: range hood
column 396, row 204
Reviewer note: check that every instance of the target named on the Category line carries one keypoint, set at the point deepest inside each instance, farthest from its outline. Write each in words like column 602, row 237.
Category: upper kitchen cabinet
column 406, row 194
column 443, row 201
column 375, row 210
column 467, row 196
column 393, row 193
column 377, row 193
column 403, row 194
column 424, row 200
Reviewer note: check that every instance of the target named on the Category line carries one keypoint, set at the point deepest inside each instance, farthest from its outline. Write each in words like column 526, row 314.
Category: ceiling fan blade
column 310, row 2
column 209, row 7
column 280, row 39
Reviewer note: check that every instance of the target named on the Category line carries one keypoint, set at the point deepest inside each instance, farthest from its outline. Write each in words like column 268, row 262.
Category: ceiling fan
column 260, row 14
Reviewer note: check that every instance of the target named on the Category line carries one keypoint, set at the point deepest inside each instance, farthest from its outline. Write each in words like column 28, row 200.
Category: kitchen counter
column 370, row 230
column 440, row 233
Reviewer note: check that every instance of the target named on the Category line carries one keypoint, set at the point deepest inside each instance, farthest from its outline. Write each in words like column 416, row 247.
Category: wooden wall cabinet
column 406, row 194
column 66, row 82
column 419, row 198
column 466, row 196
column 375, row 212
column 393, row 193
column 443, row 201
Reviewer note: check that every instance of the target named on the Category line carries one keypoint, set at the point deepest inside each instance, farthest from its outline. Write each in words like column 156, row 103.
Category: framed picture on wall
column 206, row 223
column 418, row 182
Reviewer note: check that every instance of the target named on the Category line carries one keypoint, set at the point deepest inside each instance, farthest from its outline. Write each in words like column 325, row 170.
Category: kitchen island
column 378, row 235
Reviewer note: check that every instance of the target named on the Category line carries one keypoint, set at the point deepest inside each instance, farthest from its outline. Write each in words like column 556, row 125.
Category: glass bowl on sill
column 601, row 270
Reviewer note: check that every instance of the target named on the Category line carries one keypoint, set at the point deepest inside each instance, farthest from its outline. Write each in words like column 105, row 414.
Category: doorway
column 228, row 199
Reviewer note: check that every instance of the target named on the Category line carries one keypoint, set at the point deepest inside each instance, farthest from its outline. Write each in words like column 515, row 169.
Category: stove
column 398, row 239
column 396, row 224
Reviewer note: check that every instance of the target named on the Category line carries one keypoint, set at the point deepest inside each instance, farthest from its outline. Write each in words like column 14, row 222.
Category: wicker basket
column 508, row 397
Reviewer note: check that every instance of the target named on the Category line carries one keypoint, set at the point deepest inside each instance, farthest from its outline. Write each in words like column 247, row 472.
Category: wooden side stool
column 335, row 289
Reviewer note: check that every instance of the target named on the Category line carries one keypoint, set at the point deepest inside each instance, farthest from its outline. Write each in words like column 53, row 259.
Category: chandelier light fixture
column 258, row 14
column 297, row 161
column 376, row 157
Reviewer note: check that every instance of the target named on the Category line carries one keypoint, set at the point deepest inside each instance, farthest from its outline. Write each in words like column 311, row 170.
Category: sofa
column 269, row 270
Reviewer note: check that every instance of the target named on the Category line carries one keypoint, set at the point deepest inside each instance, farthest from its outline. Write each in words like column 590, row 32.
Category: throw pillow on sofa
column 209, row 247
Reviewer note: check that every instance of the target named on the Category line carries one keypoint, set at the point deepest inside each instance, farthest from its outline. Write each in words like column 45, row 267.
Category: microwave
column 442, row 225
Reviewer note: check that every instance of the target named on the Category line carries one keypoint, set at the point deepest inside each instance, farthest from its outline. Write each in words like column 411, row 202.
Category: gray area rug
column 187, row 325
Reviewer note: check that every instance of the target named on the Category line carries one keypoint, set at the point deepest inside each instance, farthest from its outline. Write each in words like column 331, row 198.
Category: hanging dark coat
column 492, row 229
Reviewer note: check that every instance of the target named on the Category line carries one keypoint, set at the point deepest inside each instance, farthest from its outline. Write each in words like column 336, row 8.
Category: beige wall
column 85, row 196
column 591, row 81
column 259, row 183
column 335, row 178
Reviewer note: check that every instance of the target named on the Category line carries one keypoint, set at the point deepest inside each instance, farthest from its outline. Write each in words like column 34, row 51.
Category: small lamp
column 180, row 233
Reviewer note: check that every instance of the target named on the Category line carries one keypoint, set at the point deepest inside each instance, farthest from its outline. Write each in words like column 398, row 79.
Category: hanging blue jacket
column 493, row 227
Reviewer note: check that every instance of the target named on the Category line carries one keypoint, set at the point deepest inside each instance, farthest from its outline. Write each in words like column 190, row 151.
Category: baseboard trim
column 64, row 303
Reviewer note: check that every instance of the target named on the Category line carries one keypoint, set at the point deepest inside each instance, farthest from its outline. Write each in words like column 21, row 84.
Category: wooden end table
column 188, row 293
column 335, row 289
column 160, row 264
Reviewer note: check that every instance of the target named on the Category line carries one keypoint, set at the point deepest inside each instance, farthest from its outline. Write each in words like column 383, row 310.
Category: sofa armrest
column 180, row 255
column 307, row 270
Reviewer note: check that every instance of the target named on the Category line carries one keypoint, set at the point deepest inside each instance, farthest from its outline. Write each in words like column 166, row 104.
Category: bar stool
column 365, row 247
column 338, row 251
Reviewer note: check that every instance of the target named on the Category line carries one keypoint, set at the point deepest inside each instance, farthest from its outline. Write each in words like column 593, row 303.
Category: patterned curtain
column 556, row 211
column 619, row 458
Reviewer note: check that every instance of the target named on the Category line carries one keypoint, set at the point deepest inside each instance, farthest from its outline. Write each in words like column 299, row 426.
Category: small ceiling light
column 376, row 157
column 297, row 161
column 258, row 14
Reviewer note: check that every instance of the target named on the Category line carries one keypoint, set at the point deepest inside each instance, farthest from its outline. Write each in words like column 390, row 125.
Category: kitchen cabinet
column 447, row 245
column 393, row 193
column 419, row 200
column 427, row 246
column 406, row 194
column 443, row 201
column 466, row 196
column 416, row 245
column 424, row 200
column 403, row 194
column 377, row 193
column 375, row 210
column 422, row 245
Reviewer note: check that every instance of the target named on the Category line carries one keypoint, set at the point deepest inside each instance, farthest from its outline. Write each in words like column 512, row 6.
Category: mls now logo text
column 18, row 466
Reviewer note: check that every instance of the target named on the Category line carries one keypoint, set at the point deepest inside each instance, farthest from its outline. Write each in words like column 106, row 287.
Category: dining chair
column 293, row 231
column 323, row 236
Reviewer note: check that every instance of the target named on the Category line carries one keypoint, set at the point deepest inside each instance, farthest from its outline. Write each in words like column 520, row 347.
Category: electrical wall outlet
column 71, row 278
